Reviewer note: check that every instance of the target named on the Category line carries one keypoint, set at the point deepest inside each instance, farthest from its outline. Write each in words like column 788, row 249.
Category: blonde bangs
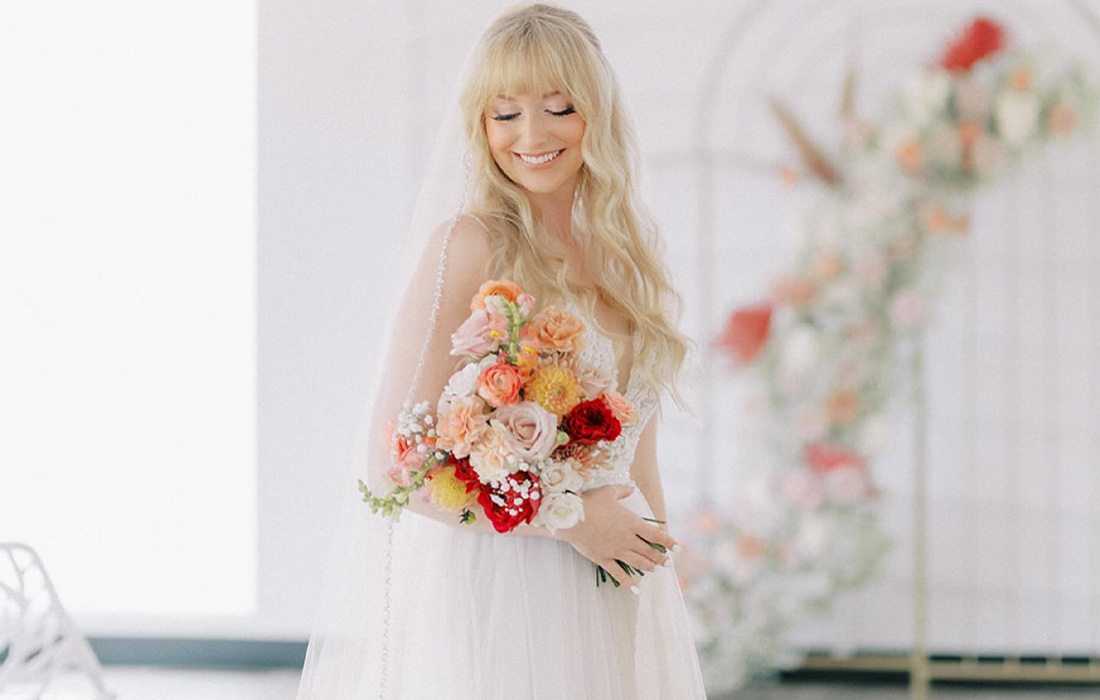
column 531, row 59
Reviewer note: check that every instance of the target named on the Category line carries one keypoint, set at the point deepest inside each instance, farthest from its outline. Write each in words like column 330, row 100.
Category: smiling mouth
column 539, row 159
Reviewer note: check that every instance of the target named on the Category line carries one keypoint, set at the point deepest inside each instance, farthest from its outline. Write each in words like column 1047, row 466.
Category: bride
column 534, row 181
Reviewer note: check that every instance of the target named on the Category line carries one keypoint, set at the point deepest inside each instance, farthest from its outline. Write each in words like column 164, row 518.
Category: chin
column 540, row 185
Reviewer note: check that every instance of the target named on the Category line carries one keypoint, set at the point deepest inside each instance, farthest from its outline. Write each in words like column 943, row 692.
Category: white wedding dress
column 521, row 617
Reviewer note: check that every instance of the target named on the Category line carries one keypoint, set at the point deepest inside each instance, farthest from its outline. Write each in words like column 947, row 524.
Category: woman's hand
column 612, row 531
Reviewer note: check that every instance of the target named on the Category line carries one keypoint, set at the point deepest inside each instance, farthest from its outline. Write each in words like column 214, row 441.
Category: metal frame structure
column 706, row 159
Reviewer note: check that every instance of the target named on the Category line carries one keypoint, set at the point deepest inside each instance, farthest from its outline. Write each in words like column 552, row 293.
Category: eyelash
column 508, row 117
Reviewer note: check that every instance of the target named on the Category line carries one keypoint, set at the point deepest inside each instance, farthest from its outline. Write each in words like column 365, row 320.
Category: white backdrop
column 127, row 305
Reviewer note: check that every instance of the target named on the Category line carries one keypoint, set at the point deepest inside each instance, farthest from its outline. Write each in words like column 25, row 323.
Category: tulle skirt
column 480, row 616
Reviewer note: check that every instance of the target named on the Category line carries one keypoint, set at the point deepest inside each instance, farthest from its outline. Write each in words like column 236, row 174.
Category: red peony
column 591, row 421
column 981, row 39
column 513, row 500
column 746, row 332
column 824, row 458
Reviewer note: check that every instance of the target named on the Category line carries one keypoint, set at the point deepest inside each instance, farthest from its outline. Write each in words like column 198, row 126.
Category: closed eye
column 508, row 117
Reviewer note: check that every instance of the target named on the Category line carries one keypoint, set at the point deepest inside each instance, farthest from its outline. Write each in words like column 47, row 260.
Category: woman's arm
column 463, row 274
column 644, row 470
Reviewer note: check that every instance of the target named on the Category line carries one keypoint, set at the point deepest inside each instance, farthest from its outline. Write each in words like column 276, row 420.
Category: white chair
column 36, row 633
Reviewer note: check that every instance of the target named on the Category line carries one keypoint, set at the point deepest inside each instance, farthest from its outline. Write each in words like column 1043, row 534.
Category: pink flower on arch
column 746, row 332
column 826, row 457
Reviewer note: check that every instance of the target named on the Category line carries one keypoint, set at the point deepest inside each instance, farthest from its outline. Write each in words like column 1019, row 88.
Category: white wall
column 127, row 298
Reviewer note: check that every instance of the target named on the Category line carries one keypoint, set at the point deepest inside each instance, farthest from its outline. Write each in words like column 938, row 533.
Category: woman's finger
column 638, row 561
column 656, row 534
column 649, row 553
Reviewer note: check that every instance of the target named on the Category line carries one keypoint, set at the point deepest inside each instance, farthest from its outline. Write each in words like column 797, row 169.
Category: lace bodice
column 599, row 350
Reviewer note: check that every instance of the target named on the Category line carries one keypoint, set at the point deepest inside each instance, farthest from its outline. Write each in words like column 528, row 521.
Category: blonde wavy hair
column 540, row 48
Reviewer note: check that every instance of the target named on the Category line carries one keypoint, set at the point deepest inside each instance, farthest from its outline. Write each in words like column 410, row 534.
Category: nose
column 533, row 132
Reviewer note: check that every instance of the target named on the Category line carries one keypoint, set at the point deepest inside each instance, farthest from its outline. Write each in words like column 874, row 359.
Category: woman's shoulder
column 474, row 219
column 466, row 229
column 468, row 248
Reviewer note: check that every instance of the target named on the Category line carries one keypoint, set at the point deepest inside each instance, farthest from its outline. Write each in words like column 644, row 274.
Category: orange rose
column 499, row 384
column 557, row 329
column 505, row 288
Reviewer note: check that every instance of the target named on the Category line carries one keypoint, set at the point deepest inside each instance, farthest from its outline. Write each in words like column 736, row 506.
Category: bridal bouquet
column 520, row 428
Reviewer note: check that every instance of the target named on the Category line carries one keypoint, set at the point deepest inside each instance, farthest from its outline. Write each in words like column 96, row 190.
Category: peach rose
column 557, row 329
column 499, row 384
column 461, row 425
column 621, row 408
column 505, row 288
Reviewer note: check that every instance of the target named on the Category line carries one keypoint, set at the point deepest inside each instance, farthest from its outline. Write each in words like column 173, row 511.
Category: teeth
column 541, row 159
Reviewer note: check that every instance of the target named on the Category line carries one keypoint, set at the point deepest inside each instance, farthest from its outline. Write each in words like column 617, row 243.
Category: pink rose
column 481, row 333
column 499, row 384
column 529, row 429
column 461, row 425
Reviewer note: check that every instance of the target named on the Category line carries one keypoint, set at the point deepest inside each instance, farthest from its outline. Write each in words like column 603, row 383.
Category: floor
column 140, row 683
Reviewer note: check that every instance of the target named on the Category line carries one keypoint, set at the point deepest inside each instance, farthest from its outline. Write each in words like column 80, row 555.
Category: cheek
column 574, row 132
column 497, row 136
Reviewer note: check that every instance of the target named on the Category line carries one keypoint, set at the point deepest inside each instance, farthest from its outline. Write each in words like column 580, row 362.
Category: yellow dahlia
column 555, row 389
column 447, row 491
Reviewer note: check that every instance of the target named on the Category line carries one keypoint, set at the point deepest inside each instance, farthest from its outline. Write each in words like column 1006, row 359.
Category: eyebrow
column 549, row 94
